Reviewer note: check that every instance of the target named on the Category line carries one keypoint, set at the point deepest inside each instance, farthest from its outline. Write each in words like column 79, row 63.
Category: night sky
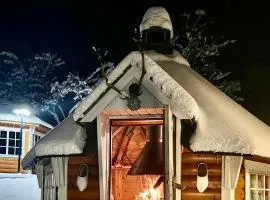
column 71, row 29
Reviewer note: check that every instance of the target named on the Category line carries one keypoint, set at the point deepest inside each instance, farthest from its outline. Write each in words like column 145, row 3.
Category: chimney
column 157, row 31
column 150, row 160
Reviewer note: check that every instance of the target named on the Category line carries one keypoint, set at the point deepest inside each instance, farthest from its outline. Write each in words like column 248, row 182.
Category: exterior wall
column 92, row 190
column 9, row 163
column 190, row 163
column 240, row 188
column 25, row 142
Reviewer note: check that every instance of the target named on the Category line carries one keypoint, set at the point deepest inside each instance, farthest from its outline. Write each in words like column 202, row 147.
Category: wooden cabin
column 147, row 141
column 33, row 129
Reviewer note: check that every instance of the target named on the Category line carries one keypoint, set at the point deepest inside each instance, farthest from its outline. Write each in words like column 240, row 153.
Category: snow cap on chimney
column 156, row 17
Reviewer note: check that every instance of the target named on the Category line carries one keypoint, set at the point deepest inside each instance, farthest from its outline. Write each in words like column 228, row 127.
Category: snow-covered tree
column 28, row 81
column 191, row 40
column 201, row 50
column 78, row 87
column 33, row 81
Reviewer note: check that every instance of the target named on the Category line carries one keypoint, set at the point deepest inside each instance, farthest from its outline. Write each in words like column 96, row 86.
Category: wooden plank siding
column 240, row 188
column 8, row 165
column 239, row 193
column 190, row 163
column 92, row 190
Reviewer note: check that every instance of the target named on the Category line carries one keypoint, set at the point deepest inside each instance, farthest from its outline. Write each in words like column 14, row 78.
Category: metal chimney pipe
column 150, row 160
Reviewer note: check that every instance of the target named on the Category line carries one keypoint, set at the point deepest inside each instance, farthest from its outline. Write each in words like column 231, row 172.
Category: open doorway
column 137, row 159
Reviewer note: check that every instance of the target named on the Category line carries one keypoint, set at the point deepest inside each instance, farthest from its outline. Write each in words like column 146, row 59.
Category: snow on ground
column 19, row 187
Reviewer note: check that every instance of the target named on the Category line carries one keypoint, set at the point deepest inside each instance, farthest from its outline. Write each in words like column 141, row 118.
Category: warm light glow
column 150, row 193
column 22, row 111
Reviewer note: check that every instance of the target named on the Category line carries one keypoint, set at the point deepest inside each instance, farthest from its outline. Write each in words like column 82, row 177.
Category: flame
column 149, row 192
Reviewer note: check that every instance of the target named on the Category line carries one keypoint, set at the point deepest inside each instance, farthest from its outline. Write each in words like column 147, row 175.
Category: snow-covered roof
column 222, row 124
column 5, row 116
column 67, row 138
column 156, row 16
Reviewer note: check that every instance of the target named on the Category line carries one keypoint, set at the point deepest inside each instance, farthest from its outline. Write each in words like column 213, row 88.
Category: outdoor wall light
column 22, row 111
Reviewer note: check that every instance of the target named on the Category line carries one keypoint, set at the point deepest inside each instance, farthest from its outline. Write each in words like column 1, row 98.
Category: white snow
column 65, row 139
column 156, row 16
column 160, row 79
column 222, row 124
column 19, row 187
column 5, row 116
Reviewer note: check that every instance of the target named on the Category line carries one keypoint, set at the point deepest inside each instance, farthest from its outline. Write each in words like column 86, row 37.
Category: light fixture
column 22, row 111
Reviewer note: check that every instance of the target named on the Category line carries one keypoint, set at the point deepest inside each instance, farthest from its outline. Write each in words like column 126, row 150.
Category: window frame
column 259, row 169
column 8, row 130
column 33, row 137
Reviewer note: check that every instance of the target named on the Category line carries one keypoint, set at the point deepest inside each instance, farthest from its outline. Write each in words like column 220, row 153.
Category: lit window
column 257, row 178
column 9, row 142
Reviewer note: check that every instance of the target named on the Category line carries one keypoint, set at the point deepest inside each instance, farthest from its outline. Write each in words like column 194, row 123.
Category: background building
column 33, row 129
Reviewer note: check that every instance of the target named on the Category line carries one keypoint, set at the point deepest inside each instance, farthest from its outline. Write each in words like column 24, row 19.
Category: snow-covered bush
column 28, row 81
column 201, row 50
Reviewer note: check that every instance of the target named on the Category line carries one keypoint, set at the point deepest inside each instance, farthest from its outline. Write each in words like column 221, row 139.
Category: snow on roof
column 67, row 138
column 5, row 116
column 156, row 16
column 160, row 78
column 222, row 124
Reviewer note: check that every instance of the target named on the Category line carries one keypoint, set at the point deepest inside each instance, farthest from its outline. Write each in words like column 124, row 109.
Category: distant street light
column 22, row 113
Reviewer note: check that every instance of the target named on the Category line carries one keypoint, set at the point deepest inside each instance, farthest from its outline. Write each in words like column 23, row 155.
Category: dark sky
column 70, row 29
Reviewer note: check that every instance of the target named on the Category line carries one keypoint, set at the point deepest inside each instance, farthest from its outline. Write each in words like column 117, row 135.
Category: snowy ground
column 19, row 187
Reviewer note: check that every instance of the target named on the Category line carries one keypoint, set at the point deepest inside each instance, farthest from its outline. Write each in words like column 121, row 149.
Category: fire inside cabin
column 137, row 159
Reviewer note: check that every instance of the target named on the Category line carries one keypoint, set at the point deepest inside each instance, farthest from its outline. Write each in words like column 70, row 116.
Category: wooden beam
column 168, row 143
column 178, row 156
column 118, row 186
column 103, row 138
column 123, row 146
column 143, row 132
column 107, row 96
column 134, row 122
column 118, row 130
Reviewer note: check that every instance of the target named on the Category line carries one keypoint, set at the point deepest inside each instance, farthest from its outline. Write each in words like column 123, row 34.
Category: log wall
column 190, row 163
column 240, row 188
column 92, row 190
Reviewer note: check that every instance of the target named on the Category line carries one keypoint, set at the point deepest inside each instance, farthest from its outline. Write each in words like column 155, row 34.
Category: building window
column 36, row 138
column 9, row 142
column 257, row 180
